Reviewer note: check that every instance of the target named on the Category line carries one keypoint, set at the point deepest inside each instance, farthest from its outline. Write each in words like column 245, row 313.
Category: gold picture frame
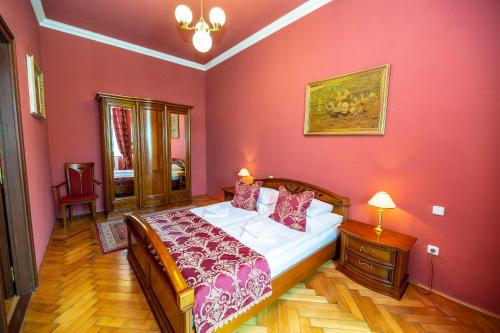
column 36, row 86
column 350, row 104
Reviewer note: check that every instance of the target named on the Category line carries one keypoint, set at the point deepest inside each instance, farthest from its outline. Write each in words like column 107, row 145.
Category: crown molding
column 69, row 29
column 38, row 9
column 287, row 19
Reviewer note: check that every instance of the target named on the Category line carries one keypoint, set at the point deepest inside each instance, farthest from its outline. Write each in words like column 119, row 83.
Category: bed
column 178, row 174
column 124, row 179
column 124, row 183
column 170, row 297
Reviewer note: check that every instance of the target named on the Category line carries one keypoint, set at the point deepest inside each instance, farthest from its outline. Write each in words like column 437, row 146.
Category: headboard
column 340, row 203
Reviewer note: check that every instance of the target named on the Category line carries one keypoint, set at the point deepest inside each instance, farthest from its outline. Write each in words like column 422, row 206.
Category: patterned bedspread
column 227, row 276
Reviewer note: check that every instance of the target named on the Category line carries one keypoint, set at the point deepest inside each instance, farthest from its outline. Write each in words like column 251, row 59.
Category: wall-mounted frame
column 36, row 88
column 174, row 131
column 350, row 104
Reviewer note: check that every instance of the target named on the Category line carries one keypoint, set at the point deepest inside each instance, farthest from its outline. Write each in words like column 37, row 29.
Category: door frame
column 14, row 171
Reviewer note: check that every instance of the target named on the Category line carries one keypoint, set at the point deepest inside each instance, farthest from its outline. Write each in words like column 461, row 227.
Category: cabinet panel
column 153, row 154
column 375, row 271
column 383, row 255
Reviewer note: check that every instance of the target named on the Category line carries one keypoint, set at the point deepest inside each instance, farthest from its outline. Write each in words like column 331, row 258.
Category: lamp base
column 378, row 228
column 246, row 179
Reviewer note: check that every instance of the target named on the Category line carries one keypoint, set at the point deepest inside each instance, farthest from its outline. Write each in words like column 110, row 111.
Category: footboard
column 170, row 298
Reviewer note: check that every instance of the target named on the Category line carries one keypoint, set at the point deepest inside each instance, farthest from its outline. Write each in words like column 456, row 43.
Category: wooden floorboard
column 82, row 290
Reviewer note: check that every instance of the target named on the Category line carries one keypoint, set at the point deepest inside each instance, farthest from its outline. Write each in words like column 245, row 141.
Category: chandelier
column 202, row 40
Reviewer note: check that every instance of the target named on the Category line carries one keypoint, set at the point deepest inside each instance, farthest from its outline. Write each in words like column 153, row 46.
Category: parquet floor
column 82, row 290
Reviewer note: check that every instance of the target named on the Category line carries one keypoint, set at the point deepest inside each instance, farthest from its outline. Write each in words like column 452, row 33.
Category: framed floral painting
column 350, row 104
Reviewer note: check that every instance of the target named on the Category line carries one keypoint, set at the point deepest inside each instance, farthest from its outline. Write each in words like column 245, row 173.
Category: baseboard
column 16, row 322
column 459, row 301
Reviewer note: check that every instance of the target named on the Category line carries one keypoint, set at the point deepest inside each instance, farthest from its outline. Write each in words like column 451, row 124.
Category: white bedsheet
column 281, row 246
column 123, row 173
column 234, row 214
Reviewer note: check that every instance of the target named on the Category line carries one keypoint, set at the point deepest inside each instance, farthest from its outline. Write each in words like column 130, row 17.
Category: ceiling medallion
column 202, row 40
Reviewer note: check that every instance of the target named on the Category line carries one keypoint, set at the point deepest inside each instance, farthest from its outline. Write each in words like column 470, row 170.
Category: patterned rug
column 112, row 235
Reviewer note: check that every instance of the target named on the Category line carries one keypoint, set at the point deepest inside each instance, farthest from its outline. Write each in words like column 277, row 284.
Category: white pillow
column 321, row 223
column 268, row 196
column 265, row 210
column 318, row 207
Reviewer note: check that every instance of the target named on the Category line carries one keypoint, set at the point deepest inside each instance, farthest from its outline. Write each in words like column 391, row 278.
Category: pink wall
column 78, row 68
column 178, row 145
column 19, row 16
column 441, row 141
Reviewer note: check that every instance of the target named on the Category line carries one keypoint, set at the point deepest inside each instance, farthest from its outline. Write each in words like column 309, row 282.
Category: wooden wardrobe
column 146, row 152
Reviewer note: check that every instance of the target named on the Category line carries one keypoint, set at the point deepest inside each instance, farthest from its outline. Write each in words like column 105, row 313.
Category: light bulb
column 202, row 25
column 202, row 40
column 183, row 14
column 217, row 16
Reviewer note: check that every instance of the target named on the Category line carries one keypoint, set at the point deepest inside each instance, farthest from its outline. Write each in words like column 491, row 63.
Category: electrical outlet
column 433, row 249
column 438, row 210
column 271, row 176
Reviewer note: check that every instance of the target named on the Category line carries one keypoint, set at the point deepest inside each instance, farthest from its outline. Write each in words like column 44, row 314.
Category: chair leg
column 63, row 212
column 92, row 205
column 71, row 213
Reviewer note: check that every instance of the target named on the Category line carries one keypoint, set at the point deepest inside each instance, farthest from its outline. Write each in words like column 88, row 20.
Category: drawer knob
column 370, row 266
column 362, row 249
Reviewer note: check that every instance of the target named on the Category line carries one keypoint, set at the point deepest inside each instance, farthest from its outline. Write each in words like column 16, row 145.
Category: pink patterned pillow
column 291, row 208
column 246, row 195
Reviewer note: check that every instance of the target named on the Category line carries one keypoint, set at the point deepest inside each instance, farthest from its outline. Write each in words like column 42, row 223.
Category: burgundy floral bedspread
column 227, row 276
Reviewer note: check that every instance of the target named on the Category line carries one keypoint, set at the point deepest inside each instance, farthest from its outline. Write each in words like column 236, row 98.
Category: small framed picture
column 174, row 132
column 36, row 88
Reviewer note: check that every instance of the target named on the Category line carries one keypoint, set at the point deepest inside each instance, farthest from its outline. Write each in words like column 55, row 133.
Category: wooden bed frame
column 168, row 294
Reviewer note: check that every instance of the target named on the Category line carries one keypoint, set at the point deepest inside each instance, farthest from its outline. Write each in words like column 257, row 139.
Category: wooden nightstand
column 228, row 193
column 378, row 262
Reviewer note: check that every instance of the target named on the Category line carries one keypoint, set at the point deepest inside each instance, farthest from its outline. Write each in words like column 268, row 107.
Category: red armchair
column 81, row 188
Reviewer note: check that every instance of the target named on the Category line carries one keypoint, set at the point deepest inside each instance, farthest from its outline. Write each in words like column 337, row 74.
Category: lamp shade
column 244, row 173
column 382, row 200
column 202, row 41
column 183, row 14
column 217, row 16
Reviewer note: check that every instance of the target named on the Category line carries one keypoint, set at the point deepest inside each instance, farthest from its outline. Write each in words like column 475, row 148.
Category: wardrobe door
column 179, row 156
column 153, row 154
column 119, row 118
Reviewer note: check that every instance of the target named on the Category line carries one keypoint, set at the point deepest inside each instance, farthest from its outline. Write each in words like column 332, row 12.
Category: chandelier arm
column 186, row 26
column 215, row 28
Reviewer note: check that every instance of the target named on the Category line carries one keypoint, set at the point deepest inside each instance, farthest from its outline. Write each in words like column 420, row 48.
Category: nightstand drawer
column 378, row 261
column 374, row 270
column 383, row 255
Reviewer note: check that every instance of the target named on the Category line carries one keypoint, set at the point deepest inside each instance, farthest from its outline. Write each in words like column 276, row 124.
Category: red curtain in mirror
column 123, row 135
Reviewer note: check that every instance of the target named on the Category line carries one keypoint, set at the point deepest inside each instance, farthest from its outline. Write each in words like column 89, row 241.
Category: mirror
column 123, row 158
column 178, row 151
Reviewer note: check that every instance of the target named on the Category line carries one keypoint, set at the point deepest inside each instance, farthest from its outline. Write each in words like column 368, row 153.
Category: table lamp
column 382, row 201
column 245, row 176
